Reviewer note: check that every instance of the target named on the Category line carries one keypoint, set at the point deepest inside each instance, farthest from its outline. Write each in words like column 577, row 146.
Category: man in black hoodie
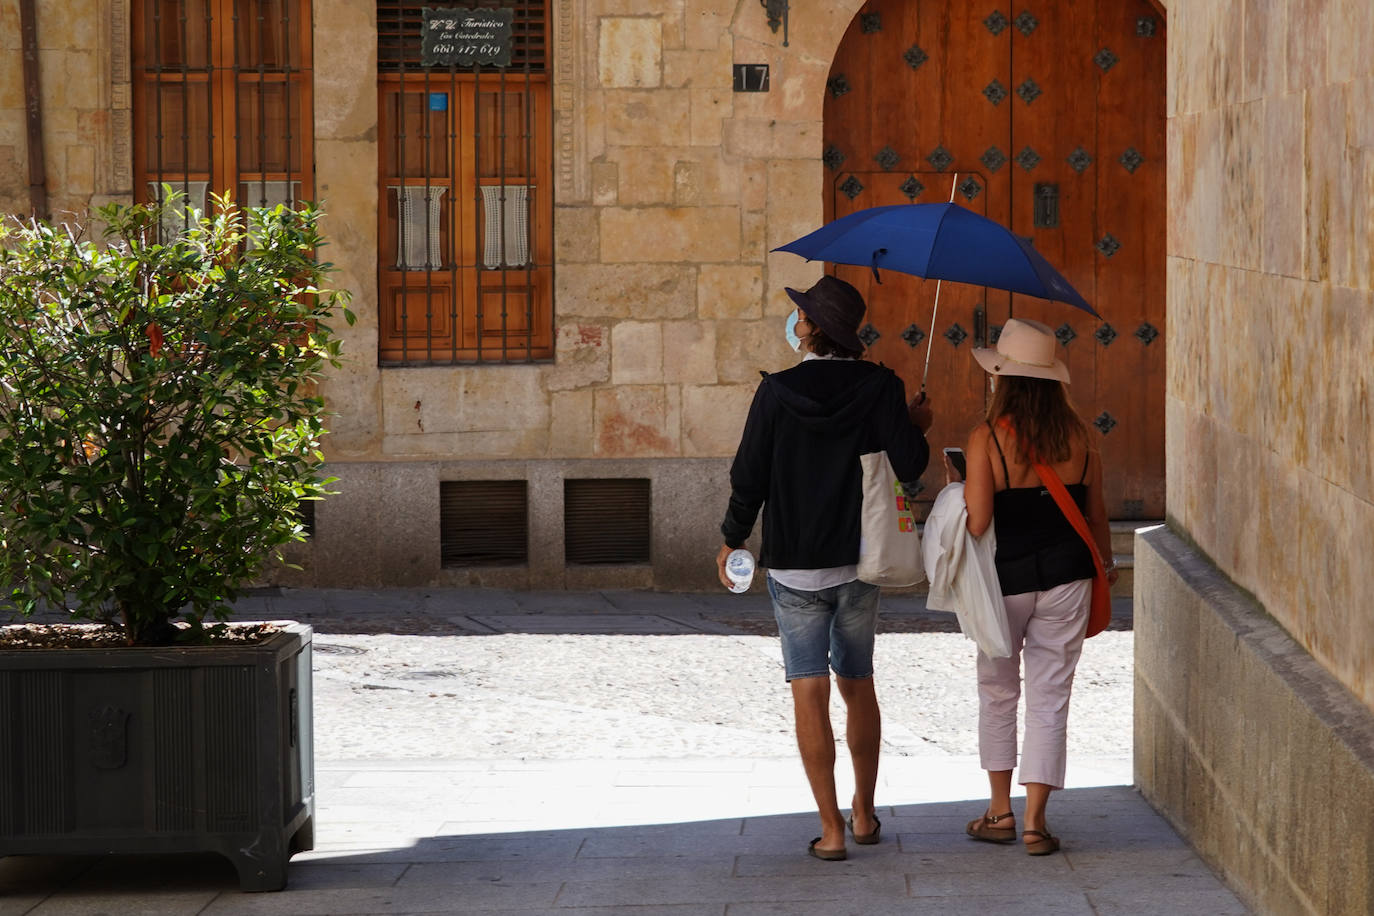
column 798, row 460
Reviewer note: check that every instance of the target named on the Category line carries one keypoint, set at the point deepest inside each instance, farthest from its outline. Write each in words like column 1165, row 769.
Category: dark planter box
column 166, row 750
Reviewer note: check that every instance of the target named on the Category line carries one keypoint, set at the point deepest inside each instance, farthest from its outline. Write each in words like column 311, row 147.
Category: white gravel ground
column 588, row 696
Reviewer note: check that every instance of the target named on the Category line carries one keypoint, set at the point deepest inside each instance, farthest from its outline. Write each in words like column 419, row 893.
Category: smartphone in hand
column 956, row 458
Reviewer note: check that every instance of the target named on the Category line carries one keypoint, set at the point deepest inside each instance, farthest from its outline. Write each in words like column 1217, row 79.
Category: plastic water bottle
column 739, row 569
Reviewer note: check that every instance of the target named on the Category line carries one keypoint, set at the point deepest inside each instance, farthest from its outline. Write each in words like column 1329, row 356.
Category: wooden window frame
column 232, row 82
column 449, row 135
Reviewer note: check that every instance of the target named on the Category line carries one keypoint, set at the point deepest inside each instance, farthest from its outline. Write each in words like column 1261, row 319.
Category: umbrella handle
column 930, row 339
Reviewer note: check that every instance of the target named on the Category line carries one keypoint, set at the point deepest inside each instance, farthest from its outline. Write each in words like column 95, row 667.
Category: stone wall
column 1255, row 624
column 84, row 88
column 1270, row 439
column 671, row 189
column 1261, row 759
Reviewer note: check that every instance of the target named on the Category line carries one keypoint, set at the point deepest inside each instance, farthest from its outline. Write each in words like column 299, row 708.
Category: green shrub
column 159, row 412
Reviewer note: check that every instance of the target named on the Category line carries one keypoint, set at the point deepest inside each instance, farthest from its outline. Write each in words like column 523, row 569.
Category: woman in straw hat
column 1044, row 567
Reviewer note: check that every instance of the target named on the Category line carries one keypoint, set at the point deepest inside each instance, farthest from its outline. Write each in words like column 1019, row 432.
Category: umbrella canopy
column 939, row 242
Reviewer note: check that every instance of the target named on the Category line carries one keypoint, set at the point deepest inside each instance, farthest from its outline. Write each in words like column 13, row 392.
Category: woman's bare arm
column 978, row 485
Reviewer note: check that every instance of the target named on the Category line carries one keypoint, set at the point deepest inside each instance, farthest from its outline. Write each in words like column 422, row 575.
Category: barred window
column 222, row 100
column 465, row 199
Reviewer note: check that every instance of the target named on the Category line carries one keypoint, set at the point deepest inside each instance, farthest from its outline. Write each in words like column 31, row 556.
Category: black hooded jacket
column 799, row 455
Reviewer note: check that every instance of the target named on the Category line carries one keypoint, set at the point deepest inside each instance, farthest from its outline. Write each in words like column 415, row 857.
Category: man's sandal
column 827, row 855
column 1043, row 845
column 983, row 828
column 867, row 839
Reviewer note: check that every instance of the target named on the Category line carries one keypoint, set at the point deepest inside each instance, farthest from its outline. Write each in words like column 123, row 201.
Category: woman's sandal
column 981, row 828
column 867, row 839
column 1043, row 846
column 827, row 855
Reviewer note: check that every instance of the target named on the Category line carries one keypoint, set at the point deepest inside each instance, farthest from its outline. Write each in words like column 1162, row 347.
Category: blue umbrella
column 939, row 242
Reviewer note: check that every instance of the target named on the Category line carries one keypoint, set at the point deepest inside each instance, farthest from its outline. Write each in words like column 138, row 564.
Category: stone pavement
column 495, row 752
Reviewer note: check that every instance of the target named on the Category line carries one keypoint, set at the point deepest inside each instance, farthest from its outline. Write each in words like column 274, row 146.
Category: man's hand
column 920, row 413
column 720, row 564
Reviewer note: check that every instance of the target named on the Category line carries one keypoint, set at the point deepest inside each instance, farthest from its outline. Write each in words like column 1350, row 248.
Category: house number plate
column 751, row 77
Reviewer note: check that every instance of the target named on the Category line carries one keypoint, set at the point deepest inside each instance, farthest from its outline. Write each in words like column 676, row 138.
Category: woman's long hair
column 1041, row 416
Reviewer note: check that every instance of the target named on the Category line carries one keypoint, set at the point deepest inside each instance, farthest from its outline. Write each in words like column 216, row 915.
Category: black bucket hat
column 835, row 307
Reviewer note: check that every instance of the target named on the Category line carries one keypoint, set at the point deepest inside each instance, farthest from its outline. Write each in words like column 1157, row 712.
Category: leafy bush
column 159, row 413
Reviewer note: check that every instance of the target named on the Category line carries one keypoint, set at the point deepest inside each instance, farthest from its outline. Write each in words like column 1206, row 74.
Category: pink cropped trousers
column 1047, row 631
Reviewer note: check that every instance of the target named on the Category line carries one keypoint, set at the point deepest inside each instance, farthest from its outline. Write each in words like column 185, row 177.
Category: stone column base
column 1255, row 754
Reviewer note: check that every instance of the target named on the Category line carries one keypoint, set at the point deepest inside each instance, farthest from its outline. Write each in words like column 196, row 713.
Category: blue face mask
column 792, row 339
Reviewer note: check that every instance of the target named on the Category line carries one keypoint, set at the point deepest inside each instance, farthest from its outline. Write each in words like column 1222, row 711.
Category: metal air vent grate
column 606, row 521
column 483, row 523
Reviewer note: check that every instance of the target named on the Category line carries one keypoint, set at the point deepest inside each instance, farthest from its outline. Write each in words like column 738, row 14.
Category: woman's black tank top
column 1037, row 548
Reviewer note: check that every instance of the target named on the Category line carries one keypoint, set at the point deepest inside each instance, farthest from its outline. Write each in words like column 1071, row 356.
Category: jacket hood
column 836, row 410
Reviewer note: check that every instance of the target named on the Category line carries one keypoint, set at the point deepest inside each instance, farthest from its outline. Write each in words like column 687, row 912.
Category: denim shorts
column 828, row 629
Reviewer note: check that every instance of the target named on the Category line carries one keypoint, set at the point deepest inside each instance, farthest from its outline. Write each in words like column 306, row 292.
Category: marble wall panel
column 1245, row 196
column 1309, row 35
column 1282, row 215
column 1326, row 186
column 1265, row 36
column 1347, row 55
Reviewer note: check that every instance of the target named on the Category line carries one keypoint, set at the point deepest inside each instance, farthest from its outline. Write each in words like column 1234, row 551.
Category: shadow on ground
column 1118, row 858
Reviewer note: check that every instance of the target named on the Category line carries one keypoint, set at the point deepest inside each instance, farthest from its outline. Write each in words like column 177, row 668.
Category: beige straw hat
column 1024, row 348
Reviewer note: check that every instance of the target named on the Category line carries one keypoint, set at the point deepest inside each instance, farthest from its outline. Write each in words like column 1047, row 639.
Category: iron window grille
column 222, row 102
column 466, row 205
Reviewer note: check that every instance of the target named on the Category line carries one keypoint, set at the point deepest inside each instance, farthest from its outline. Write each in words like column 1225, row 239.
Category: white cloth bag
column 889, row 541
column 963, row 574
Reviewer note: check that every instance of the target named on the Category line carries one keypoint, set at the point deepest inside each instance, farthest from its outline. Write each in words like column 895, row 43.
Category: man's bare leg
column 864, row 734
column 816, row 740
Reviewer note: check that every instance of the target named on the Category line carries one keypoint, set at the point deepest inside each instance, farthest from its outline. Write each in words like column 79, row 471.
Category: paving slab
column 616, row 753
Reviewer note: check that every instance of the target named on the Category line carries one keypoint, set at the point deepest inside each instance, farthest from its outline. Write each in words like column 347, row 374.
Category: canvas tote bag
column 889, row 543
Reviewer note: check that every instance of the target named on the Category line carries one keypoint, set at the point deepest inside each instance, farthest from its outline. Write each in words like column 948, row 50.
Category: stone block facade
column 1261, row 758
column 1254, row 688
column 670, row 193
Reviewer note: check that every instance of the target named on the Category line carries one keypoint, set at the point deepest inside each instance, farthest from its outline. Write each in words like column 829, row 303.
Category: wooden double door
column 1048, row 117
